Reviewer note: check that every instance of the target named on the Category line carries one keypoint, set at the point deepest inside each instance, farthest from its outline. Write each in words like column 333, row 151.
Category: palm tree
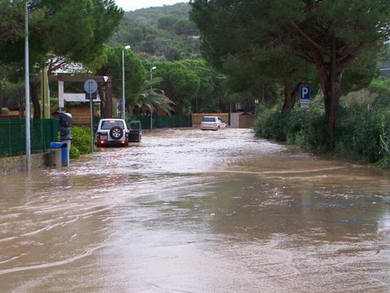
column 154, row 100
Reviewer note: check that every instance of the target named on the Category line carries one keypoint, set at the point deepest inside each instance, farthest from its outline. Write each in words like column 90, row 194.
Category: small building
column 242, row 120
column 78, row 104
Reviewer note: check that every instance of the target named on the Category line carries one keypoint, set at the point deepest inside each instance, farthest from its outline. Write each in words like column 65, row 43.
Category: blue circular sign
column 90, row 86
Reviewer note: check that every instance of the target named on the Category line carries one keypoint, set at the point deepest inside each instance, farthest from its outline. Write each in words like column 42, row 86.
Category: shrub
column 81, row 143
column 359, row 133
column 362, row 133
column 315, row 133
column 74, row 152
column 385, row 140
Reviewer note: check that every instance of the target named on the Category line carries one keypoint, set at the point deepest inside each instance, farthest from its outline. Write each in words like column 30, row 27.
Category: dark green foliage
column 167, row 23
column 60, row 32
column 361, row 72
column 385, row 141
column 111, row 65
column 81, row 143
column 359, row 133
column 164, row 32
column 185, row 27
column 296, row 127
column 10, row 88
column 339, row 39
column 11, row 24
column 191, row 84
column 381, row 87
column 362, row 134
column 72, row 29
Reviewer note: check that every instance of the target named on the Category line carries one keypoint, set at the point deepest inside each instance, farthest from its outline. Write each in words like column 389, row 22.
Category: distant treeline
column 165, row 32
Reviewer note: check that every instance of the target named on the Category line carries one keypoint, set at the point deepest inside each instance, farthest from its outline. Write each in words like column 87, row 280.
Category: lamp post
column 151, row 73
column 27, row 89
column 256, row 105
column 123, row 110
column 151, row 107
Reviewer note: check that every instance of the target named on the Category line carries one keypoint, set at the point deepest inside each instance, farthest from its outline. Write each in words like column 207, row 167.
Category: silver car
column 212, row 123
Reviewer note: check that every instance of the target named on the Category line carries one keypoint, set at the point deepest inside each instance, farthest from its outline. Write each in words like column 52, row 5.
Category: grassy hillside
column 164, row 32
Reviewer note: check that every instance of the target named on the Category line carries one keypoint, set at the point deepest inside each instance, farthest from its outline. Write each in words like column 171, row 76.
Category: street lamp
column 151, row 107
column 256, row 105
column 123, row 112
column 151, row 72
column 27, row 88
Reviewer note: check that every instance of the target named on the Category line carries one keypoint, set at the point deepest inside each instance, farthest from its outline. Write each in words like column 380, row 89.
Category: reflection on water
column 192, row 211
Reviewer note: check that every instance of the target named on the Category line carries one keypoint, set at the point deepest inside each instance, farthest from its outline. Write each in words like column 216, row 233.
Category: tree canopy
column 191, row 84
column 60, row 32
column 330, row 35
column 73, row 29
column 111, row 65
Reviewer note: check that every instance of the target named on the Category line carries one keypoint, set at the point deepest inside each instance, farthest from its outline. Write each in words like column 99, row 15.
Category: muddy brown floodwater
column 192, row 211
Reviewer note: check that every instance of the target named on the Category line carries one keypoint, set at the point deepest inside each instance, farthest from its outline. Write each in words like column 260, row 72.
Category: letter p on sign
column 305, row 93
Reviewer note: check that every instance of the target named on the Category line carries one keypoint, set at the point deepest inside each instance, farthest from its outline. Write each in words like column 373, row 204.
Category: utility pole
column 151, row 87
column 123, row 112
column 27, row 90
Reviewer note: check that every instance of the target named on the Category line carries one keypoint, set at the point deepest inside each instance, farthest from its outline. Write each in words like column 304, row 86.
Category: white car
column 212, row 123
column 112, row 132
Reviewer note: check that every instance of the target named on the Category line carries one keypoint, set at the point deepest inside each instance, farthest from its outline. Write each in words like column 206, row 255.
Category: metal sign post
column 27, row 90
column 90, row 87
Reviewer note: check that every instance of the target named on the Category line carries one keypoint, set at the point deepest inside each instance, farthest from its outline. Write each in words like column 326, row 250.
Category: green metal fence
column 175, row 121
column 13, row 136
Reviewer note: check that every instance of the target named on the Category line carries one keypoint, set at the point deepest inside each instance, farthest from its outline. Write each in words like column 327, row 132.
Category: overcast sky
column 137, row 4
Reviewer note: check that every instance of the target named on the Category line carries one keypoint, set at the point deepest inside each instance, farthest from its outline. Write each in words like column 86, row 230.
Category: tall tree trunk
column 131, row 110
column 289, row 98
column 108, row 95
column 332, row 94
column 331, row 88
column 330, row 79
column 105, row 93
column 35, row 98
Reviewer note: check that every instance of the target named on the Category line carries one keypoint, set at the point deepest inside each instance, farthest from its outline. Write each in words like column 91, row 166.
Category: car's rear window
column 108, row 124
column 209, row 119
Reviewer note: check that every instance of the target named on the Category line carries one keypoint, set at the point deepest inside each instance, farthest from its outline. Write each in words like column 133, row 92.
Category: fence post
column 9, row 137
column 44, row 131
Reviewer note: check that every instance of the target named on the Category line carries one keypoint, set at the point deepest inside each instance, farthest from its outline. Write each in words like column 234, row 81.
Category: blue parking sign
column 305, row 95
column 305, row 92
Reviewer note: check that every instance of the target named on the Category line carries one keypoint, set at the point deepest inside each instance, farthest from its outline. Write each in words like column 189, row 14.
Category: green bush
column 74, row 153
column 363, row 132
column 385, row 140
column 81, row 143
column 359, row 133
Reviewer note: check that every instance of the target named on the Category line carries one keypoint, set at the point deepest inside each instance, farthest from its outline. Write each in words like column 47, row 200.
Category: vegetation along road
column 253, row 210
column 193, row 211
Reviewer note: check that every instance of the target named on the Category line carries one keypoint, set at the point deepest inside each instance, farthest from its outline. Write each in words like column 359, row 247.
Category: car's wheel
column 116, row 133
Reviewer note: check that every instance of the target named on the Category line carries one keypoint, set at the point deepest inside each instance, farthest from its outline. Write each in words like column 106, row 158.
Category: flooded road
column 192, row 211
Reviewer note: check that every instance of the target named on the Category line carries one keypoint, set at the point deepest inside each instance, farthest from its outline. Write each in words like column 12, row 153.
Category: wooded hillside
column 165, row 32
